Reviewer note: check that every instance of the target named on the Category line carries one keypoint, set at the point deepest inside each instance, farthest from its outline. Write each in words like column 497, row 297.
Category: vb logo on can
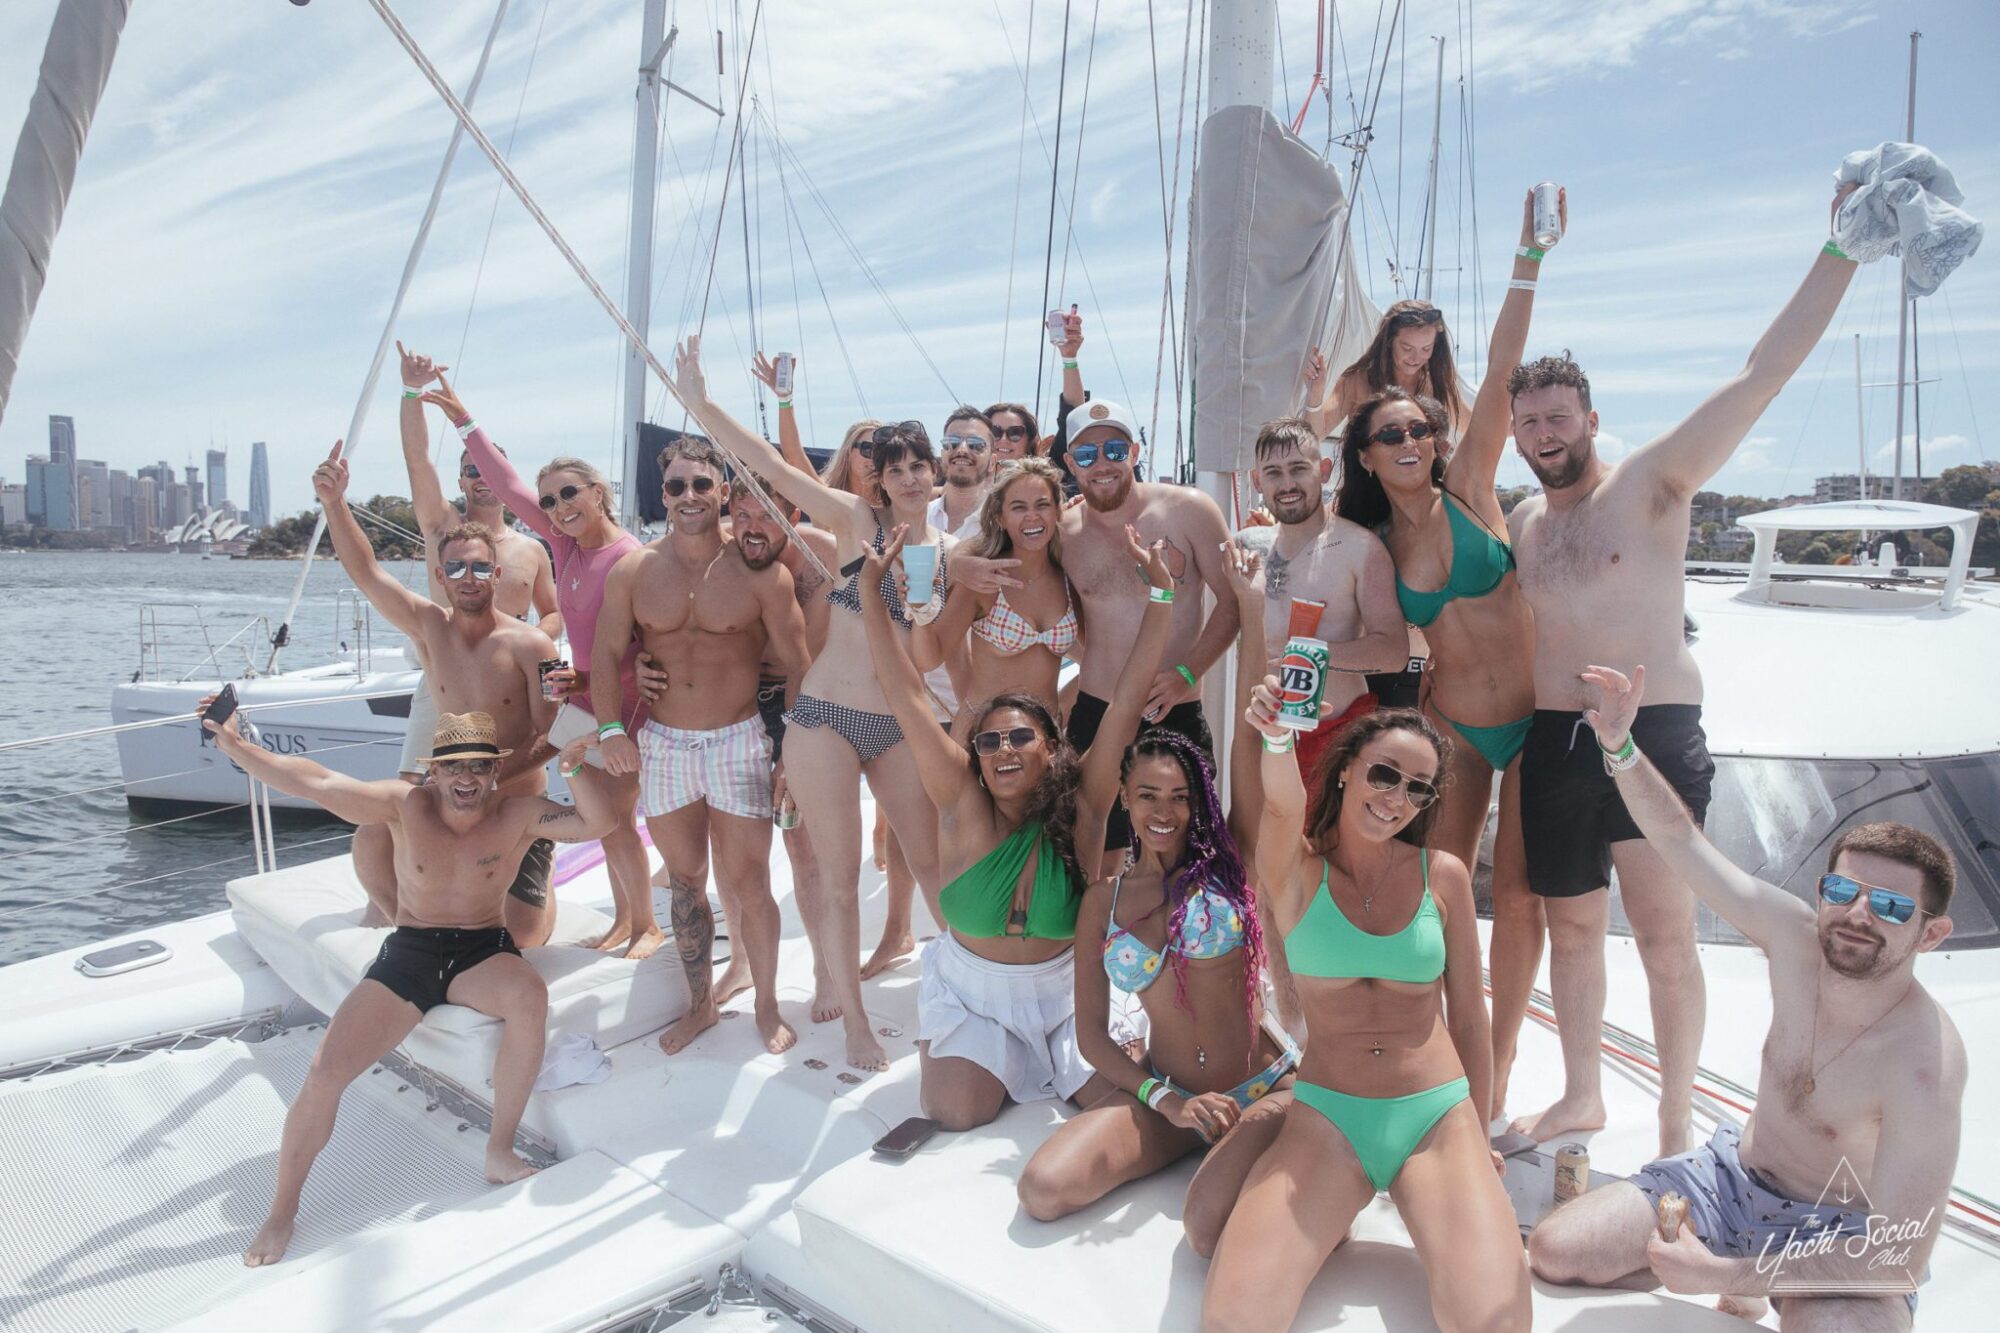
column 1301, row 682
column 1298, row 680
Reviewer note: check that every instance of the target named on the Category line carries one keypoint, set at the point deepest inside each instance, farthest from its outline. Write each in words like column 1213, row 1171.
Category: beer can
column 1548, row 215
column 782, row 374
column 1058, row 327
column 1572, row 1171
column 1301, row 682
column 543, row 668
column 787, row 815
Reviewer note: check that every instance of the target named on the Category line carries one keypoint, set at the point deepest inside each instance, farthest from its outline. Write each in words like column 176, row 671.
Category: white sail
column 76, row 64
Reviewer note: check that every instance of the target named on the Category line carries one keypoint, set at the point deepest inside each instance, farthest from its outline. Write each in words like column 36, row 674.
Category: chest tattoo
column 1277, row 573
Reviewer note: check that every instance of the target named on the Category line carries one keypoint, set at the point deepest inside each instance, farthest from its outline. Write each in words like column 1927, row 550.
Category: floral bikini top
column 1211, row 927
column 1009, row 632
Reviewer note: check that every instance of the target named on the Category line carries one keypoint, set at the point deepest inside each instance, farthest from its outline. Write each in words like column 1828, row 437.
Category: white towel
column 570, row 1060
column 1907, row 205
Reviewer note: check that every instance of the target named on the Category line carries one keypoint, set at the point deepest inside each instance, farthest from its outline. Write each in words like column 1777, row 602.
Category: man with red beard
column 1858, row 1098
column 1600, row 558
column 1101, row 454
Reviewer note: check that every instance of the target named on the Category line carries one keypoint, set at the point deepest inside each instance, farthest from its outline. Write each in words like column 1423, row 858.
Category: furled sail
column 76, row 64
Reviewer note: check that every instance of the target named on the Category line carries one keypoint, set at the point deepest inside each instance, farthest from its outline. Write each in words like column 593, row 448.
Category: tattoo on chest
column 488, row 860
column 1277, row 573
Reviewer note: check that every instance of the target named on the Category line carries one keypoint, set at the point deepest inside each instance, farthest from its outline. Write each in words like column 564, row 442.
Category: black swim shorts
column 531, row 882
column 1571, row 812
column 771, row 707
column 419, row 963
column 1086, row 715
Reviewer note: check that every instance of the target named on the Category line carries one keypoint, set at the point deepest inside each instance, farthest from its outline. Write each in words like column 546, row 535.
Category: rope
column 746, row 478
column 1319, row 70
column 178, row 718
column 1055, row 189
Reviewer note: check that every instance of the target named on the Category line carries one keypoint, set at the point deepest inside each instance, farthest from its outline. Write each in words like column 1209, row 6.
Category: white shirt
column 938, row 518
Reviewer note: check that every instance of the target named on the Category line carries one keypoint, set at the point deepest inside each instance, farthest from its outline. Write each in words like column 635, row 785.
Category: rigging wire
column 1020, row 152
column 1965, row 380
column 1319, row 67
column 1055, row 190
column 728, row 169
column 1076, row 156
column 794, row 223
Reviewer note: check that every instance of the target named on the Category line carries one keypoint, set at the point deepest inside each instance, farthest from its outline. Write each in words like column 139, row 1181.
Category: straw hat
column 465, row 736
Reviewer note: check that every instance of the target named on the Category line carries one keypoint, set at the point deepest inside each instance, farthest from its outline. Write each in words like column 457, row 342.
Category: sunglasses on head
column 479, row 569
column 478, row 768
column 679, row 485
column 565, row 495
column 470, row 470
column 1392, row 434
column 1420, row 792
column 1014, row 738
column 978, row 444
column 1113, row 451
column 1410, row 318
column 884, row 434
column 1895, row 908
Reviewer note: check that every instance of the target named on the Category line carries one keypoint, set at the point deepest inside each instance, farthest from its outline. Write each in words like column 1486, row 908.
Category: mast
column 654, row 43
column 1431, row 192
column 1860, row 428
column 1902, row 294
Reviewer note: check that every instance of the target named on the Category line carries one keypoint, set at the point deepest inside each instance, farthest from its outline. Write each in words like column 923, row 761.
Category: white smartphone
column 127, row 957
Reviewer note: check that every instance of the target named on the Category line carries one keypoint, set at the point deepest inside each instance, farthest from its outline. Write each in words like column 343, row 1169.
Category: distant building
column 93, row 493
column 51, row 493
column 218, row 477
column 196, row 495
column 176, row 510
column 145, row 507
column 13, row 505
column 260, row 486
column 1845, row 486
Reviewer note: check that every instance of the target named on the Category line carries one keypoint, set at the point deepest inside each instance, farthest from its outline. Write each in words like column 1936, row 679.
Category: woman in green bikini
column 997, row 1004
column 1435, row 509
column 1392, row 1092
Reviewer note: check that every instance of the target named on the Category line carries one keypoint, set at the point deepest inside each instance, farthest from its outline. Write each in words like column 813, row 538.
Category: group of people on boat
column 1198, row 977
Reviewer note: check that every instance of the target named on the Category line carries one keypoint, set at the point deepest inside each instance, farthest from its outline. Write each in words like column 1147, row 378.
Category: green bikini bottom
column 1496, row 745
column 1383, row 1131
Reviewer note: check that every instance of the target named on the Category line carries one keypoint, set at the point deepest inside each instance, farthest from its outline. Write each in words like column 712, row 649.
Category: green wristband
column 1532, row 253
column 1831, row 249
column 1187, row 675
column 1623, row 752
column 1146, row 1090
column 611, row 728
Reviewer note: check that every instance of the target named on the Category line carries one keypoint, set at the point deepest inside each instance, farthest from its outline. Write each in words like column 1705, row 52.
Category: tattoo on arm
column 694, row 937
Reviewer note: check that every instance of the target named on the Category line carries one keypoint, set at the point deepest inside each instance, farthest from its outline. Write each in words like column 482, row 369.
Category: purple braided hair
column 1209, row 858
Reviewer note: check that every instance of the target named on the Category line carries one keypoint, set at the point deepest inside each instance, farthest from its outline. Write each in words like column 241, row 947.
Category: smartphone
column 224, row 706
column 1512, row 1142
column 907, row 1137
column 127, row 957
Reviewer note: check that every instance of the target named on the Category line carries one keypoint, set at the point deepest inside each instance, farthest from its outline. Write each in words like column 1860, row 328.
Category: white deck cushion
column 306, row 923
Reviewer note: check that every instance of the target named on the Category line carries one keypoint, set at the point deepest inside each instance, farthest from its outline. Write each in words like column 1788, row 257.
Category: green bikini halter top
column 1324, row 943
column 1479, row 560
column 977, row 904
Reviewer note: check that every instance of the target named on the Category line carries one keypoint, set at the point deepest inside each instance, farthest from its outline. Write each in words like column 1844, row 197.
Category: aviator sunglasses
column 479, row 569
column 678, row 486
column 1392, row 434
column 1014, row 738
column 565, row 495
column 978, row 444
column 1114, row 450
column 1420, row 792
column 1895, row 908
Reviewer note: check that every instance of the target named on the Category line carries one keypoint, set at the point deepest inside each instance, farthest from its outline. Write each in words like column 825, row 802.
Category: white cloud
column 1938, row 446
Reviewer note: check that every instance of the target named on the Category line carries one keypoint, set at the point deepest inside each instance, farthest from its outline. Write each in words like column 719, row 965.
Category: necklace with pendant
column 1815, row 1070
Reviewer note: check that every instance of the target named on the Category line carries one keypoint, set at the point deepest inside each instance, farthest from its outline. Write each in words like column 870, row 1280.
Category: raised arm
column 844, row 515
column 1475, row 462
column 1072, row 343
column 399, row 606
column 790, row 444
column 350, row 799
column 940, row 763
column 427, row 500
column 1106, row 755
column 1683, row 459
column 494, row 469
column 1281, row 843
column 1766, row 915
column 614, row 632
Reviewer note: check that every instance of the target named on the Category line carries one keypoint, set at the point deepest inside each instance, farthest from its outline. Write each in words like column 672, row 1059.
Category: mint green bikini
column 1479, row 560
column 1383, row 1131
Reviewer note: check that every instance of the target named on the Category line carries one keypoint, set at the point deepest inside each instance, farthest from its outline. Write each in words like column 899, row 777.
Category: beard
column 1103, row 502
column 1300, row 510
column 772, row 550
column 1856, row 962
column 1566, row 471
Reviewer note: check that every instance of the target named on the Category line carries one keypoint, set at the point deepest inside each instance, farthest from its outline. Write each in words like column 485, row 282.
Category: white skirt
column 1017, row 1021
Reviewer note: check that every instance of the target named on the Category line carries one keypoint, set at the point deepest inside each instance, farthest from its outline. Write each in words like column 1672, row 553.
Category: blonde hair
column 839, row 472
column 993, row 543
column 585, row 470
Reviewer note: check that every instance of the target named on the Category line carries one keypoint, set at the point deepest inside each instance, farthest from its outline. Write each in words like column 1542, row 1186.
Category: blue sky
column 256, row 173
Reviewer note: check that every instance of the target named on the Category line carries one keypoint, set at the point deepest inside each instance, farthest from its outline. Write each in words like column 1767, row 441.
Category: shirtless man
column 1599, row 556
column 459, row 841
column 1100, row 455
column 1861, row 1081
column 707, row 618
column 525, row 581
column 481, row 661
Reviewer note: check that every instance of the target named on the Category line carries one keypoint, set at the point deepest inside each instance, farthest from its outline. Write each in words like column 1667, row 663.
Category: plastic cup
column 919, row 568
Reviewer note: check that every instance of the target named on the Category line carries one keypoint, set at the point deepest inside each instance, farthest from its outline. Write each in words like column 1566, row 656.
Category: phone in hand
column 907, row 1137
column 223, row 707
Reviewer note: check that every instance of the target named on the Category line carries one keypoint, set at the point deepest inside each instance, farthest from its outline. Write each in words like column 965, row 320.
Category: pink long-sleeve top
column 580, row 571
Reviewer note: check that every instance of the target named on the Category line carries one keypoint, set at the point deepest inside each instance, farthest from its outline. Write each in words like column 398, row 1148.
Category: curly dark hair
column 1053, row 802
column 1360, row 497
column 1323, row 814
column 1547, row 372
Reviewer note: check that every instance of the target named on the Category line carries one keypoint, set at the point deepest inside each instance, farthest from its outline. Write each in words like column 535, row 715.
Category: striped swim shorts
column 728, row 767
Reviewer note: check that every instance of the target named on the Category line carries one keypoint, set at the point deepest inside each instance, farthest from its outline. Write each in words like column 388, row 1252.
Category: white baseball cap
column 1099, row 412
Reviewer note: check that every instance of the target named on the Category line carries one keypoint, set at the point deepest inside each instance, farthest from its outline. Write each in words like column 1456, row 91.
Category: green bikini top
column 978, row 903
column 1325, row 943
column 1479, row 560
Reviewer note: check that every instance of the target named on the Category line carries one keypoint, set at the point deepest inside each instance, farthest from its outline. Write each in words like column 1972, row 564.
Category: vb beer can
column 1548, row 214
column 1572, row 1171
column 1301, row 682
column 550, row 690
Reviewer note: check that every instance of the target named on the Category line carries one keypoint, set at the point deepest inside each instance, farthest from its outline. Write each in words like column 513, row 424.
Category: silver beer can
column 1548, row 215
column 782, row 374
column 1572, row 1171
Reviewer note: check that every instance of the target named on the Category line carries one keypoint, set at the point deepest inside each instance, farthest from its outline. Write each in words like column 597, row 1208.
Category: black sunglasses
column 1011, row 432
column 469, row 470
column 1392, row 434
column 1895, row 908
column 566, row 494
column 679, row 485
column 1404, row 319
column 1387, row 777
column 1114, row 450
column 1014, row 738
column 479, row 569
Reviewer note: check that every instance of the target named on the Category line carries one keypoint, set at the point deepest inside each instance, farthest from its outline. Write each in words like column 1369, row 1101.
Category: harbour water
column 75, row 864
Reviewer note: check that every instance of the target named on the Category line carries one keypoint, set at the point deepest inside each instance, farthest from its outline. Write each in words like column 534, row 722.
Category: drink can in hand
column 782, row 374
column 786, row 817
column 550, row 688
column 1548, row 214
column 1572, row 1171
column 1301, row 682
column 1058, row 327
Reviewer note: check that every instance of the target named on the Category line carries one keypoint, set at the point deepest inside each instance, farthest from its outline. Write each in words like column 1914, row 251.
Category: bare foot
column 504, row 1168
column 1562, row 1118
column 269, row 1246
column 863, row 1051
column 887, row 953
column 1752, row 1308
column 776, row 1032
column 1674, row 1132
column 646, row 943
column 825, row 1007
column 613, row 939
column 735, row 979
column 687, row 1027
